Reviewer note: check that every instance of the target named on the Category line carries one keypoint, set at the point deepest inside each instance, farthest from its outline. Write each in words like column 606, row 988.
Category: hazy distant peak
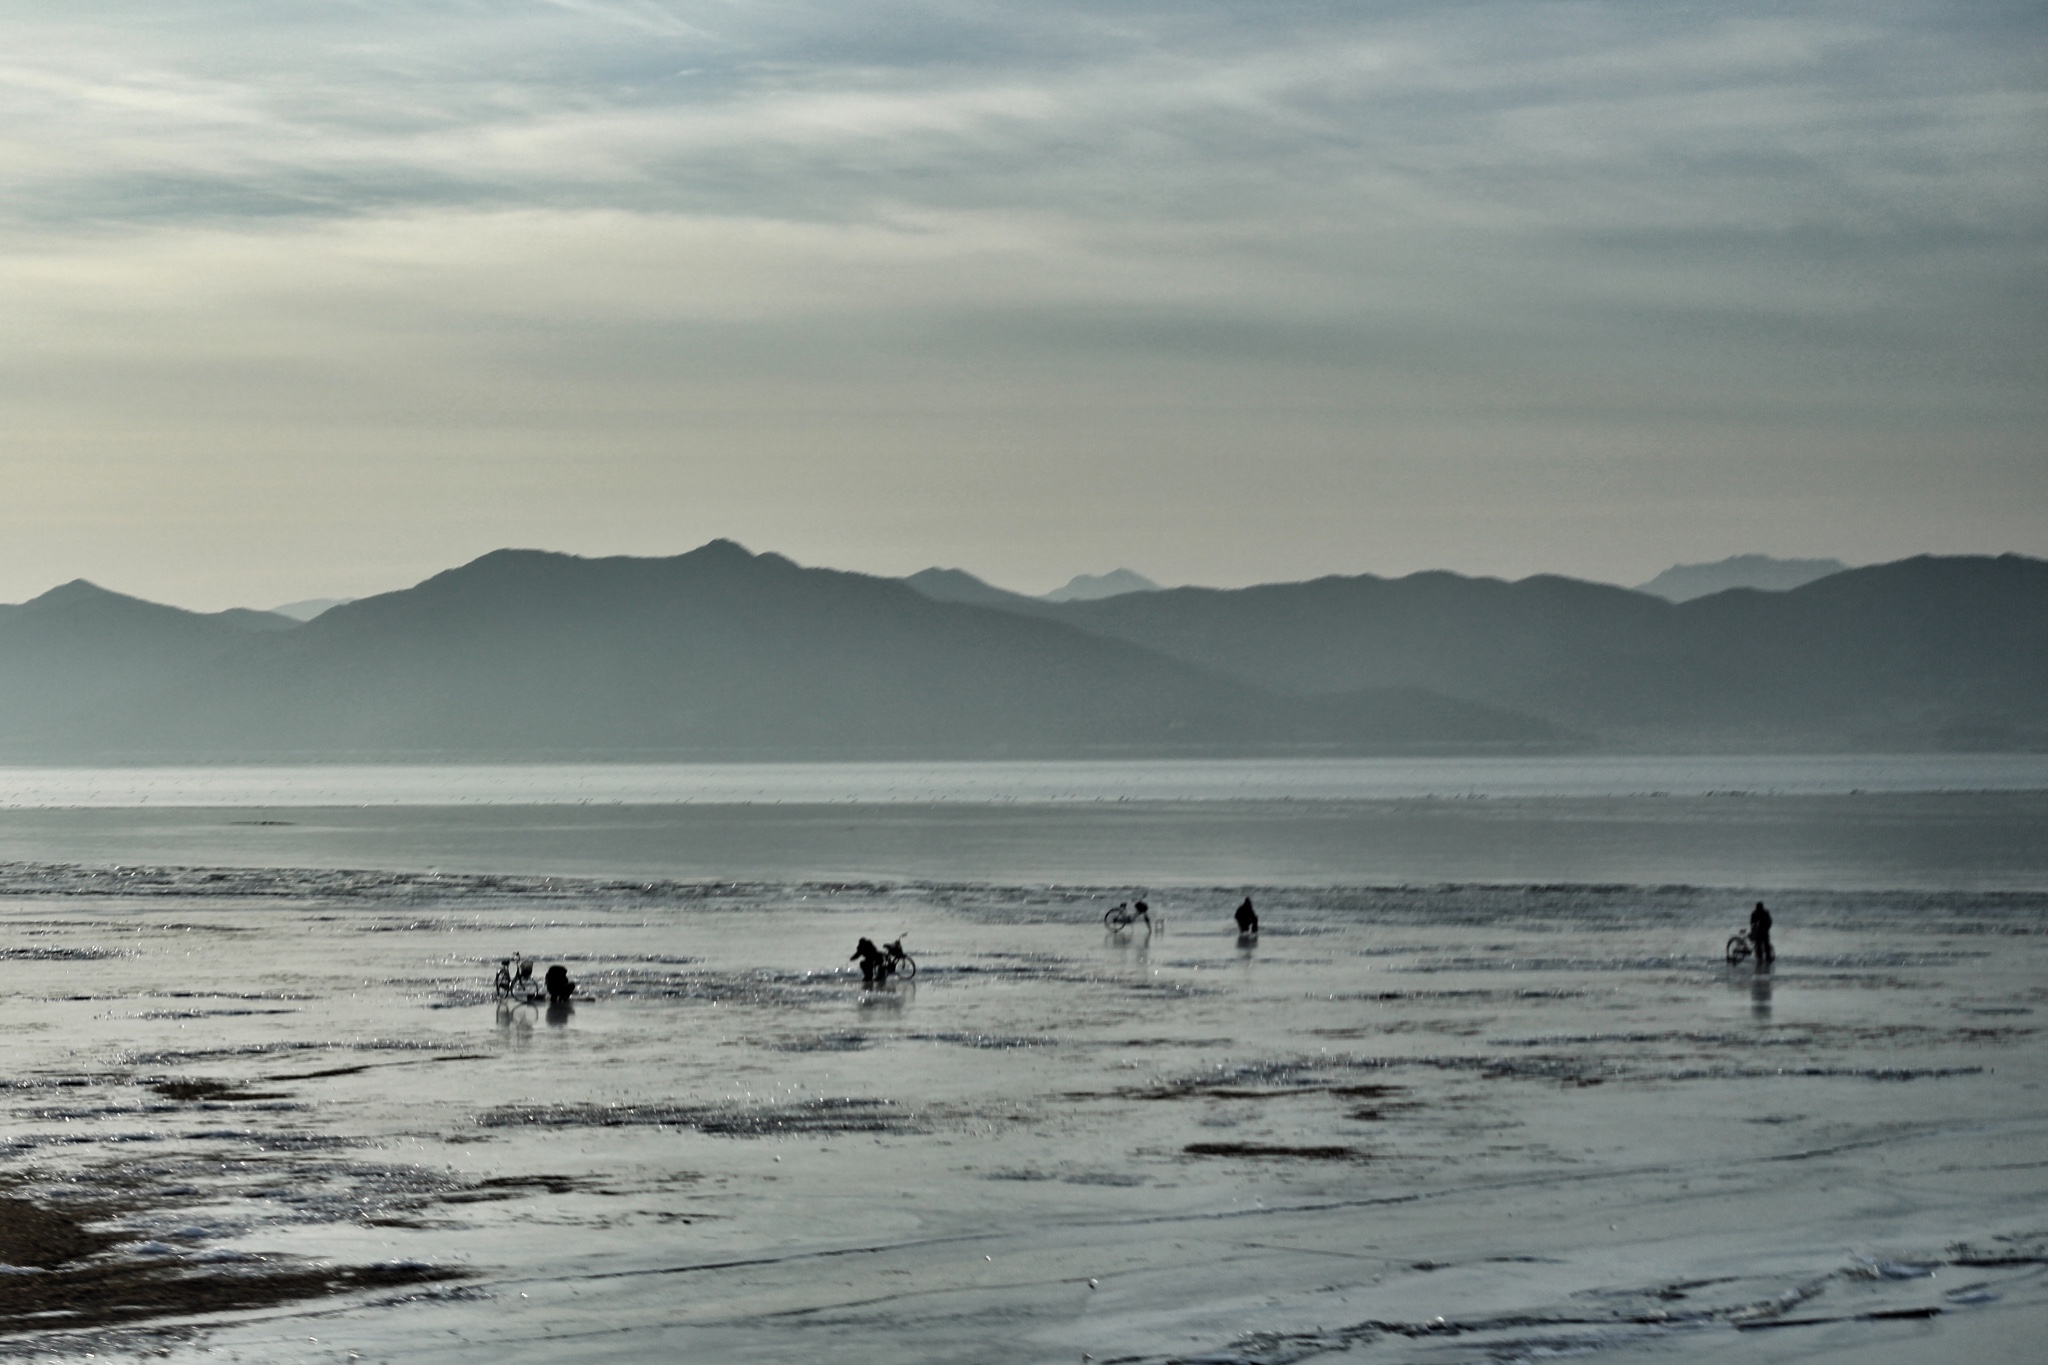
column 722, row 547
column 958, row 585
column 1683, row 582
column 84, row 602
column 310, row 608
column 514, row 565
column 1090, row 587
column 70, row 594
column 248, row 618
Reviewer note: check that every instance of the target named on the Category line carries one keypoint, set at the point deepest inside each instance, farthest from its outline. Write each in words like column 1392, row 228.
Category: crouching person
column 874, row 963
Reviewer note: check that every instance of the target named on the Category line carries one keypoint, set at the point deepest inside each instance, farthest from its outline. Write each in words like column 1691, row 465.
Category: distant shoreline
column 1956, row 841
column 1054, row 782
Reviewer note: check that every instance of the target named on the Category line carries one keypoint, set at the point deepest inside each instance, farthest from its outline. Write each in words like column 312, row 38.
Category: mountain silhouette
column 958, row 585
column 1926, row 652
column 1090, row 587
column 76, row 656
column 724, row 653
column 309, row 608
column 1683, row 582
column 718, row 652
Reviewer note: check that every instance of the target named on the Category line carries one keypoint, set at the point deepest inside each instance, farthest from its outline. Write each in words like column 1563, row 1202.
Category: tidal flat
column 268, row 1114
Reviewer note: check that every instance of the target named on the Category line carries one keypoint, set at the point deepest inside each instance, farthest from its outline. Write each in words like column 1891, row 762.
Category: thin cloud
column 243, row 222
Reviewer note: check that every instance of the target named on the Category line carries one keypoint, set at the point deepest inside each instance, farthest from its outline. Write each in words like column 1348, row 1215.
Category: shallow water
column 1443, row 1123
column 1955, row 840
column 1176, row 780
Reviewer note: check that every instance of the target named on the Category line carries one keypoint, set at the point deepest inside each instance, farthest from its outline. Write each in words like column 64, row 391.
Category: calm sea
column 1950, row 822
column 1354, row 779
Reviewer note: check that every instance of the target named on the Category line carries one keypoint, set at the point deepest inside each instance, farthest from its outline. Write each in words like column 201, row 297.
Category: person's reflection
column 1760, row 997
column 1247, row 944
column 515, row 1022
column 560, row 1012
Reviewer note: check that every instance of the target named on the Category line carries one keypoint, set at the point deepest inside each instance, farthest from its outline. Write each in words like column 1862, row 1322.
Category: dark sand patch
column 498, row 1188
column 73, row 1274
column 812, row 1117
column 31, row 1235
column 221, row 1092
column 1263, row 1151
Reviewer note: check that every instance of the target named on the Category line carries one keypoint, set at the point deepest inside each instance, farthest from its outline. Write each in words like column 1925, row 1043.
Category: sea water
column 927, row 783
column 1935, row 821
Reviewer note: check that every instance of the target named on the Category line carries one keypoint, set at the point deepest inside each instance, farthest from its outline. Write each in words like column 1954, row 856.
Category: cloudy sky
column 318, row 298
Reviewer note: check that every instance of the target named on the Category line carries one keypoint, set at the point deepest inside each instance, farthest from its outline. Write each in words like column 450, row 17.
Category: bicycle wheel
column 1738, row 949
column 906, row 967
column 1116, row 919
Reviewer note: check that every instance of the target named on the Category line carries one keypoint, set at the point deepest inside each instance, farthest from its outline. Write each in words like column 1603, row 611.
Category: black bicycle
column 514, row 981
column 898, row 963
column 1122, row 916
column 1739, row 949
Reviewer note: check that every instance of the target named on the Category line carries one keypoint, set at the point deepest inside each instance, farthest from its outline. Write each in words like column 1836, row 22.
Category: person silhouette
column 873, row 962
column 560, row 987
column 1760, row 935
column 1247, row 919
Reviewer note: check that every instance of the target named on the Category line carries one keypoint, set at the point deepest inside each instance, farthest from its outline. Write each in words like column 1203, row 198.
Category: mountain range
column 1683, row 582
column 1922, row 653
column 715, row 653
column 725, row 653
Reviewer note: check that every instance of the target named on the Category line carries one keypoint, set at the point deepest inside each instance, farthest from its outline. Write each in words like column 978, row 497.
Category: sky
column 319, row 298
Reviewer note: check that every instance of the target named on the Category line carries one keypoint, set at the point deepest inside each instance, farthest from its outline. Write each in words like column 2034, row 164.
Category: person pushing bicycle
column 1760, row 936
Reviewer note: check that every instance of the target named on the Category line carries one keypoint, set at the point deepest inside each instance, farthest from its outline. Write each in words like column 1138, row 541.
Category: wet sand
column 1445, row 1123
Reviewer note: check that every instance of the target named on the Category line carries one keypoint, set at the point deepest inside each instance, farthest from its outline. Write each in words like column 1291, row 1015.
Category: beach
column 1444, row 1121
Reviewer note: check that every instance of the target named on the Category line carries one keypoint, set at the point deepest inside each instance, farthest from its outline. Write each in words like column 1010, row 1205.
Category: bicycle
column 1121, row 916
column 1739, row 949
column 878, row 965
column 898, row 963
column 514, row 981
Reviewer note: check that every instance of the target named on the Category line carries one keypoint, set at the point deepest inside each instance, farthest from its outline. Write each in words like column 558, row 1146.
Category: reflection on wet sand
column 1518, row 1120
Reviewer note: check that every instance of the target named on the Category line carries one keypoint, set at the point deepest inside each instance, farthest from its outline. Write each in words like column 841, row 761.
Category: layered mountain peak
column 1093, row 587
column 75, row 593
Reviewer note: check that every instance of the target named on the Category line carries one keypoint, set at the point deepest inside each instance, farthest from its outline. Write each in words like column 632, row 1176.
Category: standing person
column 1760, row 935
column 1247, row 919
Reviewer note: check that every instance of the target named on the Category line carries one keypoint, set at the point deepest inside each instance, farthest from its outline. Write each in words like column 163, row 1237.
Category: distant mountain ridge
column 717, row 652
column 725, row 653
column 958, row 585
column 310, row 607
column 1684, row 582
column 1090, row 587
column 1926, row 652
